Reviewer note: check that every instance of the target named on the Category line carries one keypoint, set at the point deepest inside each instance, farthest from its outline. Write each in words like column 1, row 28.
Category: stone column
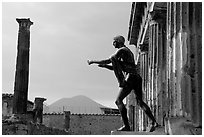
column 38, row 110
column 22, row 67
column 66, row 120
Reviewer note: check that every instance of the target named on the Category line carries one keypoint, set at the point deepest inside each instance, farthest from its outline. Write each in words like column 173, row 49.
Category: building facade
column 169, row 36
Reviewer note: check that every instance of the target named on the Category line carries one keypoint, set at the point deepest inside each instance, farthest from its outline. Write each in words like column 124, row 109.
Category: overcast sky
column 63, row 36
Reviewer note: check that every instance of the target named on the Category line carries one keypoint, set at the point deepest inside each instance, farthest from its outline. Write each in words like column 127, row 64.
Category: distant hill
column 78, row 104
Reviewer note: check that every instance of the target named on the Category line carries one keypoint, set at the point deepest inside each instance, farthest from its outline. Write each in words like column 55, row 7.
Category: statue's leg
column 141, row 103
column 123, row 111
column 147, row 110
column 118, row 71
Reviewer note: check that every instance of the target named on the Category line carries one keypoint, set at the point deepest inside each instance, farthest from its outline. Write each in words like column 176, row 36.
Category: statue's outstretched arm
column 100, row 62
column 106, row 66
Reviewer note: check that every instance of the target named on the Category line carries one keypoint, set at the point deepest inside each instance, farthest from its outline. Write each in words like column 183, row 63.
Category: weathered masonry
column 169, row 35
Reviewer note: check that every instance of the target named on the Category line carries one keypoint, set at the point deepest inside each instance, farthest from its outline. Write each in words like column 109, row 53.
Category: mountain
column 78, row 104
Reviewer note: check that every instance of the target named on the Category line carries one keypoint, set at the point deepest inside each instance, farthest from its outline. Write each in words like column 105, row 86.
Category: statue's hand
column 89, row 62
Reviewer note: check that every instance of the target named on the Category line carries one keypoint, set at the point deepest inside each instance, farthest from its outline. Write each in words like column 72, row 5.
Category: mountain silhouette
column 78, row 104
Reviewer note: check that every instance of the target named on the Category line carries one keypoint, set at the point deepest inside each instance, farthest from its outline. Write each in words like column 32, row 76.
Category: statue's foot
column 153, row 127
column 124, row 128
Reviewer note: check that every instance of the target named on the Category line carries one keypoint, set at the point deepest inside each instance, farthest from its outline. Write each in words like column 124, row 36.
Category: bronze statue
column 125, row 69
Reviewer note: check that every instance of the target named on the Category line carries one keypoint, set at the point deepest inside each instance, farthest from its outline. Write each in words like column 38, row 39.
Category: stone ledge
column 158, row 131
column 135, row 133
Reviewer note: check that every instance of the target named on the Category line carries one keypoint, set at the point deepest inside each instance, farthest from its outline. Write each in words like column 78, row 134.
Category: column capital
column 38, row 103
column 24, row 22
column 40, row 99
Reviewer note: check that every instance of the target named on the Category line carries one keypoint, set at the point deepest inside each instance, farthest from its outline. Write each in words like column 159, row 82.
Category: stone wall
column 84, row 124
column 54, row 120
column 94, row 124
column 16, row 128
